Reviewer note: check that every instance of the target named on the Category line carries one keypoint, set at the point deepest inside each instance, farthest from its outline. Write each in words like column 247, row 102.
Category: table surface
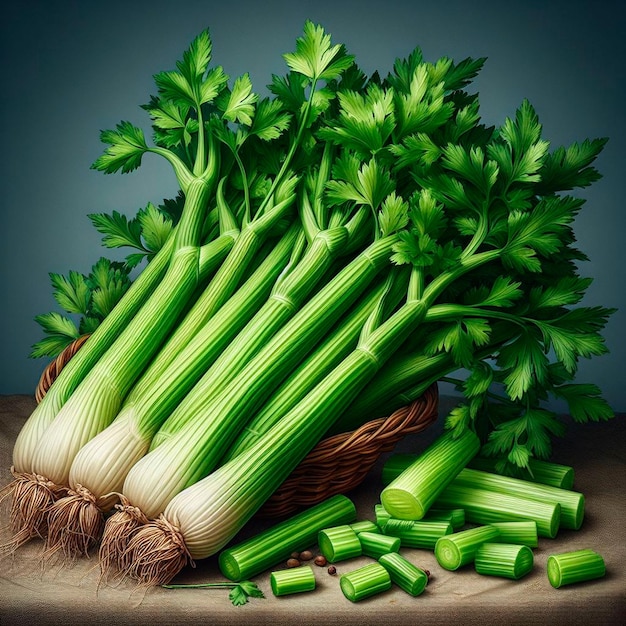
column 31, row 593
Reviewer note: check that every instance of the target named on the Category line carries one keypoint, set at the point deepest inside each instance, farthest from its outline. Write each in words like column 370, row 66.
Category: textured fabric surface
column 35, row 593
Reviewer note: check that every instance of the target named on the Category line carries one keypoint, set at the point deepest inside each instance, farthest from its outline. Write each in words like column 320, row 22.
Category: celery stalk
column 567, row 568
column 294, row 580
column 339, row 543
column 365, row 582
column 458, row 549
column 410, row 495
column 503, row 559
column 403, row 573
column 254, row 555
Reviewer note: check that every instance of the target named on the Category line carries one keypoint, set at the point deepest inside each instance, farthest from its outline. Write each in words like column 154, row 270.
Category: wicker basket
column 335, row 465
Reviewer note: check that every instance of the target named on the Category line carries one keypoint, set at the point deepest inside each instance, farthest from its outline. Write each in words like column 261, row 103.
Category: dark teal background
column 70, row 69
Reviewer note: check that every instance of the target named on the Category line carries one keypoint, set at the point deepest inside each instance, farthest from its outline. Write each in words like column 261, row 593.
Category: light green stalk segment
column 375, row 544
column 422, row 534
column 504, row 559
column 365, row 582
column 211, row 511
column 523, row 532
column 365, row 525
column 334, row 348
column 545, row 472
column 98, row 398
column 405, row 574
column 283, row 303
column 77, row 368
column 103, row 463
column 382, row 516
column 484, row 506
column 339, row 543
column 572, row 502
column 253, row 556
column 410, row 495
column 225, row 282
column 539, row 471
column 577, row 566
column 458, row 549
column 295, row 580
column 456, row 517
column 160, row 475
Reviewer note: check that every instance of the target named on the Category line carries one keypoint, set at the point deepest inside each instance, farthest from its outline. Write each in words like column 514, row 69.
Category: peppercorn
column 332, row 570
column 307, row 555
column 320, row 560
column 293, row 563
column 295, row 555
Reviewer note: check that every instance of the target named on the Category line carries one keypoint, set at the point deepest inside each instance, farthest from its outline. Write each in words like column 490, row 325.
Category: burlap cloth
column 30, row 594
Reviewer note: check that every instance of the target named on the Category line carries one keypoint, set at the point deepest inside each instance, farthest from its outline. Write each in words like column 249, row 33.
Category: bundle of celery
column 343, row 244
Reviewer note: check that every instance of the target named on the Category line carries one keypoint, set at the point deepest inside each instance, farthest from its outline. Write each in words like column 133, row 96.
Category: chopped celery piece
column 420, row 534
column 577, row 566
column 539, row 471
column 294, row 580
column 523, row 532
column 410, row 494
column 458, row 549
column 503, row 559
column 403, row 573
column 365, row 582
column 483, row 506
column 375, row 545
column 456, row 517
column 365, row 525
column 275, row 544
column 572, row 502
column 339, row 543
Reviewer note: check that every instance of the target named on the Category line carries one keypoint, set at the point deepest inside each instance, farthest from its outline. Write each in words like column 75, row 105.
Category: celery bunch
column 341, row 245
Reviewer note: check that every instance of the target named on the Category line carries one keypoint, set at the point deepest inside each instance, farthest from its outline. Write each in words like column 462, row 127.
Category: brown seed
column 332, row 570
column 307, row 555
column 293, row 563
column 295, row 555
column 320, row 560
column 427, row 572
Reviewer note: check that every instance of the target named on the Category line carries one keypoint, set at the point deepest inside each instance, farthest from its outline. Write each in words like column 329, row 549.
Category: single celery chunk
column 523, row 532
column 265, row 550
column 458, row 549
column 539, row 471
column 294, row 580
column 483, row 506
column 403, row 573
column 339, row 543
column 365, row 525
column 456, row 517
column 421, row 534
column 365, row 581
column 375, row 545
column 572, row 502
column 382, row 516
column 410, row 495
column 577, row 566
column 507, row 560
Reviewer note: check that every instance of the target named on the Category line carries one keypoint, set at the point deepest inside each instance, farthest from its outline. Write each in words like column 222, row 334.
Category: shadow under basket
column 335, row 465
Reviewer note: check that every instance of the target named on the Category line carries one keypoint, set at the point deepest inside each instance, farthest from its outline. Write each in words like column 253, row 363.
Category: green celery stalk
column 567, row 568
column 503, row 559
column 365, row 582
column 540, row 471
column 483, row 506
column 295, row 580
column 339, row 543
column 299, row 532
column 422, row 534
column 403, row 573
column 411, row 494
column 523, row 532
column 572, row 502
column 459, row 549
column 375, row 544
